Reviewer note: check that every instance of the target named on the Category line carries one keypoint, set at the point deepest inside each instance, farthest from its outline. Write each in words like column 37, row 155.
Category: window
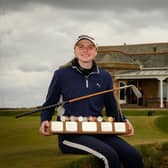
column 122, row 93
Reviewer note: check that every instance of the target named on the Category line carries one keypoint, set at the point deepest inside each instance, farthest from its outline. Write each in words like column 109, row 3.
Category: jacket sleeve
column 111, row 104
column 52, row 97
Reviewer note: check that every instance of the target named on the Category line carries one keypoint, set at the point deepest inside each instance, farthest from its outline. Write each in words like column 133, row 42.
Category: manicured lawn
column 146, row 131
column 21, row 145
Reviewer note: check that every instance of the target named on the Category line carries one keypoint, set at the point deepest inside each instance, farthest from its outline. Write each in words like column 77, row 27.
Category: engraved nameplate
column 56, row 126
column 89, row 126
column 71, row 126
column 106, row 127
column 120, row 127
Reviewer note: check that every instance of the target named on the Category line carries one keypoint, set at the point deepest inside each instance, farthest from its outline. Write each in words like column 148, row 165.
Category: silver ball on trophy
column 80, row 119
column 99, row 119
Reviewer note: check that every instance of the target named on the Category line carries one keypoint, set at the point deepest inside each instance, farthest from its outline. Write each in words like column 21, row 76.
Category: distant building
column 145, row 66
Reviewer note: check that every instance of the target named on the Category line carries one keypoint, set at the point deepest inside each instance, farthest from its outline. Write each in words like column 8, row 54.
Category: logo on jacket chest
column 98, row 85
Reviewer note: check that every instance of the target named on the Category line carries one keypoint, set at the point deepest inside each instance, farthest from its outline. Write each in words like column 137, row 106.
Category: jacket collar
column 94, row 70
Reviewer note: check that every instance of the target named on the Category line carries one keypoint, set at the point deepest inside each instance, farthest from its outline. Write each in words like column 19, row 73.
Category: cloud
column 33, row 68
column 23, row 89
column 37, row 36
column 119, row 6
column 25, row 97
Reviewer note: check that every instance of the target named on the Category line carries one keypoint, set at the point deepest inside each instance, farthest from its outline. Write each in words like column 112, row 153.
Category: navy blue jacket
column 69, row 82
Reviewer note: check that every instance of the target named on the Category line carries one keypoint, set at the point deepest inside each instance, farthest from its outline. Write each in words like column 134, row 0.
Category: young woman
column 83, row 77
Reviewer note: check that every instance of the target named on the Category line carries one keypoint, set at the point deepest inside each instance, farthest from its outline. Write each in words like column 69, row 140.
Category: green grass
column 146, row 131
column 144, row 112
column 21, row 145
column 155, row 155
column 161, row 123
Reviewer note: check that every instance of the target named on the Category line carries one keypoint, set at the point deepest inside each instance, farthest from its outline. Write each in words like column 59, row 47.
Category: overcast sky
column 36, row 36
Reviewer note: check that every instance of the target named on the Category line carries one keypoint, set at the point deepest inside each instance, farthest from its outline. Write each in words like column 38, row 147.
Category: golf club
column 133, row 87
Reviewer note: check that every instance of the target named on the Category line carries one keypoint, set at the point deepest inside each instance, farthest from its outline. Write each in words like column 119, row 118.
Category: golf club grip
column 26, row 113
column 39, row 109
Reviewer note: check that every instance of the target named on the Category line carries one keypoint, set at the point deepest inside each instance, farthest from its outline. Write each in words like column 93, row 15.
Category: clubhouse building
column 143, row 65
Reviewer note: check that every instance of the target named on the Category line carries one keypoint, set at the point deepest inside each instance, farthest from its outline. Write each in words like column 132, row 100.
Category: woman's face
column 85, row 51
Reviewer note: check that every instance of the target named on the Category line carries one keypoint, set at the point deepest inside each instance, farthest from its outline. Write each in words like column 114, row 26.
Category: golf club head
column 136, row 91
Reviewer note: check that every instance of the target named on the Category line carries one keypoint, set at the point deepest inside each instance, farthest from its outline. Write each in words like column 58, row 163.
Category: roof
column 143, row 74
column 137, row 48
column 146, row 55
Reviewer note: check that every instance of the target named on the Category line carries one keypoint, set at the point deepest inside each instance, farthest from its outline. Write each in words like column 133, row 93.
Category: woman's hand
column 130, row 130
column 44, row 128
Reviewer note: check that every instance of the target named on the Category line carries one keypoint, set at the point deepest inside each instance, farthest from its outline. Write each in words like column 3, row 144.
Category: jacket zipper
column 86, row 77
column 87, row 82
